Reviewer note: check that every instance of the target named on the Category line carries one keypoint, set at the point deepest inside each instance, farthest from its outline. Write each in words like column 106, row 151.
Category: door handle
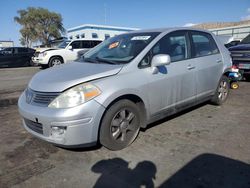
column 190, row 67
column 218, row 61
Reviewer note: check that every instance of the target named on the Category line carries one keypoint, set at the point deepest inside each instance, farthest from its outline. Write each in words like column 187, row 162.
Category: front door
column 173, row 87
column 73, row 54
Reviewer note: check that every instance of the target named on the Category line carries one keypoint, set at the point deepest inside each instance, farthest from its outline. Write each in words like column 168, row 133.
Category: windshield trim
column 134, row 42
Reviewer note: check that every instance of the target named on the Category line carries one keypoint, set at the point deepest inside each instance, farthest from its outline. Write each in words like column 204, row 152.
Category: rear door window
column 76, row 44
column 95, row 43
column 203, row 44
column 90, row 44
column 86, row 44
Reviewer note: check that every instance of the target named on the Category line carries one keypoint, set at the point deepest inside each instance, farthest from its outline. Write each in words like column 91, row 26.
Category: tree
column 39, row 24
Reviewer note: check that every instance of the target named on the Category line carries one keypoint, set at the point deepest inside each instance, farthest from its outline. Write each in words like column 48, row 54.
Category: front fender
column 106, row 98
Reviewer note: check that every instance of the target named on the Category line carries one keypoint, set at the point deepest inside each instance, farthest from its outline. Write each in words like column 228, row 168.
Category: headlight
column 75, row 96
column 44, row 54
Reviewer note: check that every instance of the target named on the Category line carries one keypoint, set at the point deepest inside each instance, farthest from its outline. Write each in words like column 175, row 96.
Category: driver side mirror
column 159, row 60
column 70, row 47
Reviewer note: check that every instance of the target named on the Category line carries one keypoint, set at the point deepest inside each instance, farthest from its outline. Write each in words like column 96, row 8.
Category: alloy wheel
column 122, row 125
column 223, row 90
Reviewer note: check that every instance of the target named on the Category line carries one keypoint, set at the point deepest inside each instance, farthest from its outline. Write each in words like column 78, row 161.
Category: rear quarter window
column 203, row 44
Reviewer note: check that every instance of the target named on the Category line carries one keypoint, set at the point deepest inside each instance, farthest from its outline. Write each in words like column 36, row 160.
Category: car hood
column 240, row 47
column 40, row 50
column 60, row 78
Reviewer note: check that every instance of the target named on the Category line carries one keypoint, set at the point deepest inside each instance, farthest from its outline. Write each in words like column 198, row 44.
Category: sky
column 126, row 13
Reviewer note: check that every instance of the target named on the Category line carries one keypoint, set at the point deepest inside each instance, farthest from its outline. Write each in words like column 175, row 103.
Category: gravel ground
column 206, row 146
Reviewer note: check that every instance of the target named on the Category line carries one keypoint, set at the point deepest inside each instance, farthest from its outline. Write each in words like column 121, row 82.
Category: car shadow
column 82, row 148
column 211, row 171
column 116, row 173
column 204, row 171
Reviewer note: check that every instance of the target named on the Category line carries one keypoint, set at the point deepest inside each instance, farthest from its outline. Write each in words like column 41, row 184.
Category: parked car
column 228, row 40
column 232, row 43
column 16, row 57
column 124, row 84
column 66, row 52
column 241, row 55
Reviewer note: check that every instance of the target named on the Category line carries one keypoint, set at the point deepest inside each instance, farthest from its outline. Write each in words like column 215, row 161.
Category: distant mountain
column 216, row 25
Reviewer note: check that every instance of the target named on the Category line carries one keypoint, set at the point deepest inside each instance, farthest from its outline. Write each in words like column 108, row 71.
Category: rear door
column 208, row 63
column 22, row 57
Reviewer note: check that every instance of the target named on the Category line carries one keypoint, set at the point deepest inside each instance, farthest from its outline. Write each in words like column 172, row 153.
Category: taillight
column 234, row 67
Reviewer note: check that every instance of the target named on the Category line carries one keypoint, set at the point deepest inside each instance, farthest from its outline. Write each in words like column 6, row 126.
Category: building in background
column 237, row 30
column 90, row 31
column 6, row 44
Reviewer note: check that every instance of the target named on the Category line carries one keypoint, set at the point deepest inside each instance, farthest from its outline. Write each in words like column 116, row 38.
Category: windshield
column 120, row 49
column 246, row 40
column 63, row 44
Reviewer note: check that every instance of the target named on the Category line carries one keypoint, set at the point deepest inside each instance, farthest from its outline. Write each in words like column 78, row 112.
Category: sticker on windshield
column 140, row 37
column 113, row 45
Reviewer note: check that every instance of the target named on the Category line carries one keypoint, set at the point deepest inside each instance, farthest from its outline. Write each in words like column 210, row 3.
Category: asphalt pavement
column 204, row 147
column 13, row 82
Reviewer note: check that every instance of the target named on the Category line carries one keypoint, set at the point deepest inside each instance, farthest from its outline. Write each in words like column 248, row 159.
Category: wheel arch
column 57, row 56
column 135, row 99
column 226, row 72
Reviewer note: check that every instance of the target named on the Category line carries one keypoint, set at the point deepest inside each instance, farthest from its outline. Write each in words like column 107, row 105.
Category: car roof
column 163, row 30
column 17, row 47
column 86, row 40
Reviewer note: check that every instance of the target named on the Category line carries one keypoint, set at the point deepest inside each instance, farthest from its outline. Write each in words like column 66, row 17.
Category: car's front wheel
column 222, row 91
column 120, row 125
column 54, row 61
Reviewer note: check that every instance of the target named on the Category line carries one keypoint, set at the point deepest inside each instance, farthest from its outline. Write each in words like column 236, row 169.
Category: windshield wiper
column 105, row 61
column 90, row 60
column 99, row 60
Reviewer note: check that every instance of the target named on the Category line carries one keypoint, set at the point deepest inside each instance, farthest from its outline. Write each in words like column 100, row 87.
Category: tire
column 234, row 85
column 44, row 66
column 54, row 61
column 120, row 125
column 27, row 63
column 31, row 64
column 222, row 91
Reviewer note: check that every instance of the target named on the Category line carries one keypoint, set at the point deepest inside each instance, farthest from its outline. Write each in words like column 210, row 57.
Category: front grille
column 34, row 126
column 40, row 98
column 36, row 54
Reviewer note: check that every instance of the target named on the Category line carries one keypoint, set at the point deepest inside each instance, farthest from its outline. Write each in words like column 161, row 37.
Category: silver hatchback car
column 124, row 84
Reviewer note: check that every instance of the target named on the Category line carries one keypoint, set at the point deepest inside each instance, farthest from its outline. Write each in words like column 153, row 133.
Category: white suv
column 64, row 53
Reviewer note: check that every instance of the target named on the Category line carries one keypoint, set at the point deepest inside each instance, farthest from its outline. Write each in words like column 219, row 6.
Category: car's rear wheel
column 54, row 61
column 222, row 91
column 120, row 125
